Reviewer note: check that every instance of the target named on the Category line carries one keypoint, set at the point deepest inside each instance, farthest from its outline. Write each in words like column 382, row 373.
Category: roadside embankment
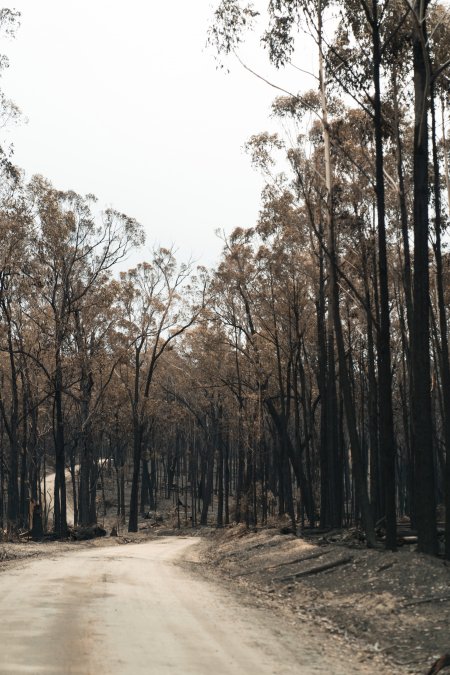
column 389, row 605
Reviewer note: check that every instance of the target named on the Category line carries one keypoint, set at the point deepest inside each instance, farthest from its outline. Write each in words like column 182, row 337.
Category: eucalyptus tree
column 239, row 307
column 199, row 380
column 280, row 39
column 97, row 353
column 261, row 298
column 421, row 399
column 373, row 13
column 73, row 251
column 158, row 305
column 426, row 74
column 15, row 233
column 9, row 112
column 398, row 33
column 439, row 89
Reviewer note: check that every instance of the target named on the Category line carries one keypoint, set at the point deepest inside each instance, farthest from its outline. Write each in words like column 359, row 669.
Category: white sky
column 123, row 100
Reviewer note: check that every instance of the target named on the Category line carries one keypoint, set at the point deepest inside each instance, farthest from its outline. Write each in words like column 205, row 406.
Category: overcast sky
column 125, row 101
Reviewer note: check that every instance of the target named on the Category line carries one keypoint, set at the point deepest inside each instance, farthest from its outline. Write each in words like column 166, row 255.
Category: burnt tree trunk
column 422, row 439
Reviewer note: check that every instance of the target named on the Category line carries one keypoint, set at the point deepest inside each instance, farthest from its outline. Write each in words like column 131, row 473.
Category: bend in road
column 130, row 610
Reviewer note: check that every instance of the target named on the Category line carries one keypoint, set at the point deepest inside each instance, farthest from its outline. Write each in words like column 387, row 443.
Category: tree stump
column 37, row 530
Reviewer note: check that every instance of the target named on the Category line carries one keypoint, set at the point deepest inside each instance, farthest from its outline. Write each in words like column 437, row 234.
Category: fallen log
column 318, row 554
column 84, row 533
column 423, row 601
column 317, row 570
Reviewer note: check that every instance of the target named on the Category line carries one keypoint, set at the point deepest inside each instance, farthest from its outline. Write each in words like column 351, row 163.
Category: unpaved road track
column 49, row 494
column 131, row 610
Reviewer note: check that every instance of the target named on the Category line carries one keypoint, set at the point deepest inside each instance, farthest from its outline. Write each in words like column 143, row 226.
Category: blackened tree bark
column 11, row 422
column 60, row 504
column 443, row 347
column 422, row 440
column 355, row 445
column 218, row 412
column 387, row 439
column 88, row 470
column 137, row 436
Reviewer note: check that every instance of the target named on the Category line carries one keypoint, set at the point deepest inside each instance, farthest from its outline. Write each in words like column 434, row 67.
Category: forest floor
column 390, row 605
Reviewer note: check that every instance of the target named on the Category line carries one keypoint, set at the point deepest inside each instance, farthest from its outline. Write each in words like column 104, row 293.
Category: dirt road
column 132, row 610
column 49, row 494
